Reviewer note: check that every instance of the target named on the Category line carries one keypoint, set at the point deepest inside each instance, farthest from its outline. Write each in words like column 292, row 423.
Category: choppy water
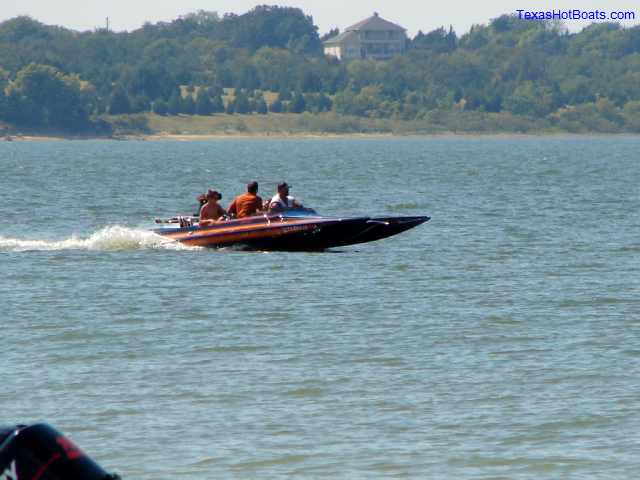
column 499, row 340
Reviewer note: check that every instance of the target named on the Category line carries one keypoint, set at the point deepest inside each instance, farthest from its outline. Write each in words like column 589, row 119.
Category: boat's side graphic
column 281, row 232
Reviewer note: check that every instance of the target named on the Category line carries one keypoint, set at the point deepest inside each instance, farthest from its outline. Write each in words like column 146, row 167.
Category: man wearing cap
column 211, row 211
column 282, row 201
column 246, row 204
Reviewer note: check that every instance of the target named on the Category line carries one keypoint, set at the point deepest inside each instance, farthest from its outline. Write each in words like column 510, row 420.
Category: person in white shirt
column 282, row 200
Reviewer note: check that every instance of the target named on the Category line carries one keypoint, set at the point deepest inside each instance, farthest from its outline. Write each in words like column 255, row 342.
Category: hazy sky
column 414, row 15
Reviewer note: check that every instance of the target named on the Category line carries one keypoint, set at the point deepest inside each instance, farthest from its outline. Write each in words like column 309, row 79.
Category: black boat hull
column 293, row 233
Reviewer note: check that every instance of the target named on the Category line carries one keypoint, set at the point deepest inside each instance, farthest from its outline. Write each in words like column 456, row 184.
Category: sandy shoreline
column 197, row 137
column 262, row 135
column 301, row 135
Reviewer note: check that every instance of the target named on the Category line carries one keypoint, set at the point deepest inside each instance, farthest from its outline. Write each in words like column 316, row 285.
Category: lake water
column 499, row 340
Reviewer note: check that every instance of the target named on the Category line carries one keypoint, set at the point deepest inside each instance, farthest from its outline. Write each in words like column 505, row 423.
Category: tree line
column 271, row 59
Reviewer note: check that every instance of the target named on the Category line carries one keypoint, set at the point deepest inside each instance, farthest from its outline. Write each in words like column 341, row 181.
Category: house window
column 375, row 35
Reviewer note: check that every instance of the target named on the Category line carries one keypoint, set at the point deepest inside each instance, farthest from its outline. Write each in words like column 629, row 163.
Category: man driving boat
column 282, row 200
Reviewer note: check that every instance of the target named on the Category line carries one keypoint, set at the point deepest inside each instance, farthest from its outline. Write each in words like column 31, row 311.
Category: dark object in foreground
column 290, row 230
column 39, row 452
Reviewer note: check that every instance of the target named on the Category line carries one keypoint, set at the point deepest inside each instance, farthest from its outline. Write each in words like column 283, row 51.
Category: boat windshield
column 300, row 212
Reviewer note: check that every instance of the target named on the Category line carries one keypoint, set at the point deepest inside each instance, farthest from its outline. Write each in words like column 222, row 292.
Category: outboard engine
column 39, row 452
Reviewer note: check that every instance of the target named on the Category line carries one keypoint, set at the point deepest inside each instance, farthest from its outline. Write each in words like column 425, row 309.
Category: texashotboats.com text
column 574, row 14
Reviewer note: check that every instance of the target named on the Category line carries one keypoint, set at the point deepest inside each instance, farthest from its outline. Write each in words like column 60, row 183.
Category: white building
column 373, row 37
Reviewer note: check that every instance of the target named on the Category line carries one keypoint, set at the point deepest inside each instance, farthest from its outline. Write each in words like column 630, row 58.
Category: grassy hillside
column 328, row 123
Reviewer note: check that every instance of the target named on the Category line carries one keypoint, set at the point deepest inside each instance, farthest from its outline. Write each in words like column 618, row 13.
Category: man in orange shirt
column 246, row 204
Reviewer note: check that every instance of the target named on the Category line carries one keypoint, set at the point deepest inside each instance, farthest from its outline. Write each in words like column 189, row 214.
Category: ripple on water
column 271, row 462
column 596, row 301
column 231, row 349
column 502, row 320
column 305, row 392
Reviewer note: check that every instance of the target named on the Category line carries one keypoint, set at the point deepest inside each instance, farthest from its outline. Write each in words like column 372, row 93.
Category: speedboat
column 40, row 452
column 289, row 230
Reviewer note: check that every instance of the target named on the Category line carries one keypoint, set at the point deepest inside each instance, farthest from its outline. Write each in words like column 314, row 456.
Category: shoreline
column 298, row 135
column 152, row 127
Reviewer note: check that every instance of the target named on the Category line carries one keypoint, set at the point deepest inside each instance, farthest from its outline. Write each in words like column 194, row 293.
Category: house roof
column 340, row 38
column 374, row 22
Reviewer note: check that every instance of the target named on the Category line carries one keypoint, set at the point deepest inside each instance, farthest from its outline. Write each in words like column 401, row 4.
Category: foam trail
column 110, row 238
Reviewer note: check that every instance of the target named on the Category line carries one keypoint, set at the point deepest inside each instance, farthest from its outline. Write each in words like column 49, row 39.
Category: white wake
column 112, row 238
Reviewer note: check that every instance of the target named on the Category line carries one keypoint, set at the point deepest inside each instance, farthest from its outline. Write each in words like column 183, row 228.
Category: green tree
column 241, row 102
column 174, row 107
column 188, row 105
column 274, row 26
column 439, row 40
column 4, row 82
column 365, row 103
column 245, row 76
column 284, row 94
column 140, row 103
column 324, row 103
column 609, row 111
column 261, row 106
column 531, row 99
column 44, row 96
column 215, row 89
column 576, row 89
column 274, row 67
column 230, row 109
column 334, row 32
column 203, row 102
column 217, row 104
column 119, row 102
column 477, row 37
column 631, row 115
column 19, row 110
column 160, row 107
column 297, row 104
column 276, row 106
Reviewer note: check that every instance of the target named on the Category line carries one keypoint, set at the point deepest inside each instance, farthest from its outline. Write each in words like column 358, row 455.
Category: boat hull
column 290, row 233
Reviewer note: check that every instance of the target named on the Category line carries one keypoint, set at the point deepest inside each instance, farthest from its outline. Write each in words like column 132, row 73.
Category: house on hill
column 374, row 38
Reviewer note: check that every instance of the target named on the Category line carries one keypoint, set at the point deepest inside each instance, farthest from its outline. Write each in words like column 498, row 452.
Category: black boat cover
column 39, row 452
